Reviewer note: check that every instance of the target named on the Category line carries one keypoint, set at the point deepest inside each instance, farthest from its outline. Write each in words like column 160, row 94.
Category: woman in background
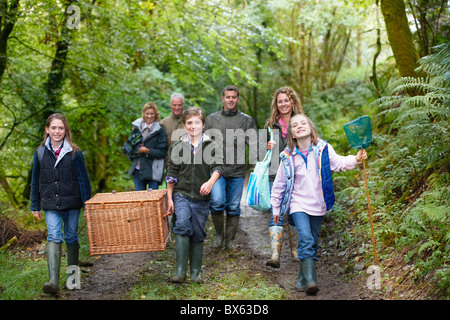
column 147, row 167
column 285, row 104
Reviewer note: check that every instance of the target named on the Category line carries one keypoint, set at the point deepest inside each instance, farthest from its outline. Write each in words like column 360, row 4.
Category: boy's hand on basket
column 170, row 207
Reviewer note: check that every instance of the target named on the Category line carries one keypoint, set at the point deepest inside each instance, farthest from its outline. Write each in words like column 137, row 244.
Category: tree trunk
column 8, row 18
column 400, row 37
column 55, row 79
column 7, row 188
column 255, row 88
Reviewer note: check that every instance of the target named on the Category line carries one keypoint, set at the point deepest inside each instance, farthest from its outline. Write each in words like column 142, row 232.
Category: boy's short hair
column 193, row 111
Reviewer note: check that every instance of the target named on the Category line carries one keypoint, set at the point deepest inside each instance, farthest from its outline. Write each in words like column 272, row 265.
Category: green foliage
column 422, row 141
column 413, row 176
column 127, row 53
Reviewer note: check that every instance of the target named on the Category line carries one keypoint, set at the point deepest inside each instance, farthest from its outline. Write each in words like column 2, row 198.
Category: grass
column 21, row 278
column 228, row 275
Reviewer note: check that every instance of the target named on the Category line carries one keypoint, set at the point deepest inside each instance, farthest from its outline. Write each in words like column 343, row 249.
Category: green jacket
column 192, row 170
column 219, row 122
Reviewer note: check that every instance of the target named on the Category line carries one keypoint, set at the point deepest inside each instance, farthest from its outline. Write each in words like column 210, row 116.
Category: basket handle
column 166, row 215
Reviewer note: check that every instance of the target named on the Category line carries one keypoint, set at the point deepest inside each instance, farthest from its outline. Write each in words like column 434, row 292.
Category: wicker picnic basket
column 123, row 222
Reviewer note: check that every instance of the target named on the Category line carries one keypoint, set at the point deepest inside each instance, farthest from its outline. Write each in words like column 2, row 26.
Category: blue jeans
column 191, row 217
column 308, row 234
column 55, row 221
column 226, row 196
column 142, row 184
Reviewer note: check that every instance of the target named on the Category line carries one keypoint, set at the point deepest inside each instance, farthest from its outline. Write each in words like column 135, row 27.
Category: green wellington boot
column 195, row 260
column 231, row 229
column 182, row 252
column 276, row 241
column 301, row 282
column 72, row 254
column 218, row 221
column 53, row 251
column 309, row 272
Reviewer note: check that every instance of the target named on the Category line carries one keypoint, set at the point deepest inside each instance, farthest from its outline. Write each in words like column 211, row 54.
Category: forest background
column 98, row 62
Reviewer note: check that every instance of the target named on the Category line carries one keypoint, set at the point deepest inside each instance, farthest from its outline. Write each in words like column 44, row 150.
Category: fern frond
column 437, row 63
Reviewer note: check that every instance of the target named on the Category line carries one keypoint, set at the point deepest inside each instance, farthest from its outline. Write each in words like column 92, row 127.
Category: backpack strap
column 40, row 153
column 288, row 163
column 321, row 144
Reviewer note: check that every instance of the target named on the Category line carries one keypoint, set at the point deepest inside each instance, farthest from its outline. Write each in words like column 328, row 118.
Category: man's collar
column 229, row 113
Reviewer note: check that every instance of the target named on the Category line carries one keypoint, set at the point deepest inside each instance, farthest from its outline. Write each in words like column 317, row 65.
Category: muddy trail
column 112, row 276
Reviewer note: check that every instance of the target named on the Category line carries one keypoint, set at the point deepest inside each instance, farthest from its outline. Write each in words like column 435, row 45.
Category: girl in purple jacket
column 303, row 187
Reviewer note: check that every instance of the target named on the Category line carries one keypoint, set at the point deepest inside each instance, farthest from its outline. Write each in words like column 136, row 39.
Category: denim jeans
column 142, row 184
column 308, row 234
column 55, row 221
column 226, row 195
column 191, row 216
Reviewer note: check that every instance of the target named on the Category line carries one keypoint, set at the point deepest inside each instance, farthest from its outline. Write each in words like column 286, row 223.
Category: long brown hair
column 295, row 102
column 290, row 141
column 68, row 132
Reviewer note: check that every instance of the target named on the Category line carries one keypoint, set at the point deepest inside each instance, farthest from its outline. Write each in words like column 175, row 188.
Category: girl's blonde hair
column 290, row 141
column 151, row 105
column 295, row 102
column 68, row 132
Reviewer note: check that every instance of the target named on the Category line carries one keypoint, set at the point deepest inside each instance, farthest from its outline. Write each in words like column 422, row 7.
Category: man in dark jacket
column 229, row 125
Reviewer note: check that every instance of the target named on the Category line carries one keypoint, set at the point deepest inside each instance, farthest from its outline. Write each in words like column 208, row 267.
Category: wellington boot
column 231, row 229
column 182, row 252
column 309, row 272
column 218, row 222
column 301, row 282
column 195, row 261
column 293, row 240
column 72, row 254
column 276, row 241
column 53, row 251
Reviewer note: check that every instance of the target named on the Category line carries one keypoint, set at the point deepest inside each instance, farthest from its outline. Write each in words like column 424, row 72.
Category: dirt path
column 113, row 275
column 332, row 286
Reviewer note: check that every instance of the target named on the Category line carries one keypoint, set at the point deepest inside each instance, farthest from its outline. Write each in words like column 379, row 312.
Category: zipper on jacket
column 192, row 175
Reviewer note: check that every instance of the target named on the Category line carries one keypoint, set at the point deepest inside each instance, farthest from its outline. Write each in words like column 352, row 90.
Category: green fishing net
column 359, row 132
